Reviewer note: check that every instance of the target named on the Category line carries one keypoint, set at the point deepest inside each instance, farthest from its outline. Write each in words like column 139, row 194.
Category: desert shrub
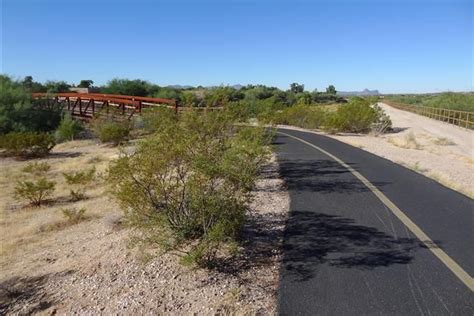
column 56, row 86
column 109, row 131
column 18, row 113
column 189, row 99
column 36, row 192
column 443, row 141
column 74, row 215
column 78, row 180
column 127, row 87
column 156, row 118
column 27, row 144
column 355, row 117
column 187, row 185
column 449, row 100
column 452, row 100
column 240, row 111
column 68, row 129
column 167, row 93
column 262, row 109
column 37, row 168
column 382, row 123
column 305, row 116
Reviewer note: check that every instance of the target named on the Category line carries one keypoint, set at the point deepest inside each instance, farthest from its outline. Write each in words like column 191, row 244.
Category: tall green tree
column 85, row 83
column 296, row 87
column 331, row 90
column 17, row 113
column 135, row 87
column 57, row 86
column 32, row 86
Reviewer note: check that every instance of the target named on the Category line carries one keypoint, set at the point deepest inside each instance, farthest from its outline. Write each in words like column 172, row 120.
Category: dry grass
column 438, row 178
column 443, row 141
column 231, row 304
column 87, row 267
column 450, row 184
column 330, row 107
column 418, row 168
column 407, row 142
column 468, row 160
column 25, row 227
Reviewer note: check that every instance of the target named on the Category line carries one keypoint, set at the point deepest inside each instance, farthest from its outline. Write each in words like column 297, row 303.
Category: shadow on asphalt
column 313, row 238
column 322, row 176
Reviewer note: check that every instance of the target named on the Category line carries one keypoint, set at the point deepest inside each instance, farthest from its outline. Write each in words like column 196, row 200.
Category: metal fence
column 460, row 118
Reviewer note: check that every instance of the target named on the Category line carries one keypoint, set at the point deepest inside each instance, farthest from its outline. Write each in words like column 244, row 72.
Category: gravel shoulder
column 89, row 268
column 438, row 150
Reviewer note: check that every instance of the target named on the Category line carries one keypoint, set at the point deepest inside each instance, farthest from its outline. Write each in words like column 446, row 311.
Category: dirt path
column 462, row 138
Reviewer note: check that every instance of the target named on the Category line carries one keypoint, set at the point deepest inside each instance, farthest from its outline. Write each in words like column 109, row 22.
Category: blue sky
column 393, row 46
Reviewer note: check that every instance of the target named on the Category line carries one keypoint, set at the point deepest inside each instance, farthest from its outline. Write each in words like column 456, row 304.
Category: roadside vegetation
column 295, row 106
column 448, row 100
column 78, row 181
column 185, row 183
column 357, row 116
column 186, row 187
column 180, row 184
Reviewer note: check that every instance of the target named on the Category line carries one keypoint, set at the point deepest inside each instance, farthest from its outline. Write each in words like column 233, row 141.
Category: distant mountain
column 179, row 87
column 364, row 92
column 235, row 86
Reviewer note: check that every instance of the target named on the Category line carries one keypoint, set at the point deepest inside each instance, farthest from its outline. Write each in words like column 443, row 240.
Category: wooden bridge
column 86, row 105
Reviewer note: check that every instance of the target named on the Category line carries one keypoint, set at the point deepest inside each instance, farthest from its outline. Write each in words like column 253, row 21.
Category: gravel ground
column 88, row 268
column 441, row 151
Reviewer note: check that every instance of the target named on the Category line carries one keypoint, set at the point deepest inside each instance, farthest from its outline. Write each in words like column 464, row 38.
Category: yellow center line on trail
column 420, row 234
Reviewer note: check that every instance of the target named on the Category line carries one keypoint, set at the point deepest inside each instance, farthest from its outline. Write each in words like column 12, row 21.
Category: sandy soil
column 50, row 267
column 441, row 151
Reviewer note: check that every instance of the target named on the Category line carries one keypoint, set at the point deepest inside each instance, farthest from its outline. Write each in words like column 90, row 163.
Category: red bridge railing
column 86, row 105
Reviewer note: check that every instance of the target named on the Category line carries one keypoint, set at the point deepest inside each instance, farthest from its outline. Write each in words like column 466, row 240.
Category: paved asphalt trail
column 346, row 253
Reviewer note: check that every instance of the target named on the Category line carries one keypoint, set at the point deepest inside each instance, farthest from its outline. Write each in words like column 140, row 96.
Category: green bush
column 156, row 118
column 79, row 180
column 383, row 123
column 187, row 185
column 114, row 132
column 17, row 111
column 449, row 100
column 264, row 110
column 37, row 168
column 74, row 215
column 68, row 129
column 306, row 116
column 36, row 192
column 355, row 117
column 27, row 144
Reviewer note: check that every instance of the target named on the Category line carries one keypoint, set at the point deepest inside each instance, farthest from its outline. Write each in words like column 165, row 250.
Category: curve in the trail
column 346, row 251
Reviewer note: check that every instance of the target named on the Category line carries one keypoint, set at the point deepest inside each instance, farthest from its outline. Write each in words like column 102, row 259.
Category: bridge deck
column 86, row 105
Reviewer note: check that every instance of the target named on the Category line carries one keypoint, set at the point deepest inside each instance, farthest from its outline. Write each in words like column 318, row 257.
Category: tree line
column 194, row 96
